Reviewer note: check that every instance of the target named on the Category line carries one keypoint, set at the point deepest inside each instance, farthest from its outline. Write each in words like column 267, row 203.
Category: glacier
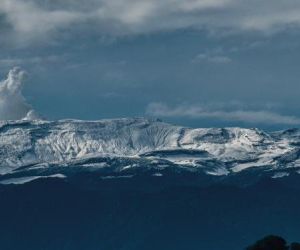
column 128, row 146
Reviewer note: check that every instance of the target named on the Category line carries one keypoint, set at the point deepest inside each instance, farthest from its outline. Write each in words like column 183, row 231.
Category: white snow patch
column 157, row 174
column 218, row 172
column 129, row 166
column 23, row 180
column 116, row 177
column 280, row 175
column 95, row 165
column 242, row 166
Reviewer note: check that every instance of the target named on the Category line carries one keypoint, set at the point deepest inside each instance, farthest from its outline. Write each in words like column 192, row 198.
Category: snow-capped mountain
column 125, row 147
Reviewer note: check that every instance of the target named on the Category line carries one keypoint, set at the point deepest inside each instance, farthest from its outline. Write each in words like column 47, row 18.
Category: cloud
column 10, row 62
column 38, row 20
column 240, row 115
column 28, row 21
column 215, row 56
column 13, row 105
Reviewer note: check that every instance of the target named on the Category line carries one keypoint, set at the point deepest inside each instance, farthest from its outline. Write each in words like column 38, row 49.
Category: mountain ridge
column 126, row 144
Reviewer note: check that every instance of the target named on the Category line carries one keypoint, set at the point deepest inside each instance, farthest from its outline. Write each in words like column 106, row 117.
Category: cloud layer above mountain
column 240, row 115
column 33, row 19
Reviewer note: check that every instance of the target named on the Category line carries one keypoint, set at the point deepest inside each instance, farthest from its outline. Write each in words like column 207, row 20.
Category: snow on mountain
column 137, row 143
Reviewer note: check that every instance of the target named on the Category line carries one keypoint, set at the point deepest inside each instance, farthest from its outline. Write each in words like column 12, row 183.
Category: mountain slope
column 39, row 148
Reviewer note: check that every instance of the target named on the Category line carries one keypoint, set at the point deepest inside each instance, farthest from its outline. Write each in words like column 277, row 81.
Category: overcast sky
column 191, row 62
